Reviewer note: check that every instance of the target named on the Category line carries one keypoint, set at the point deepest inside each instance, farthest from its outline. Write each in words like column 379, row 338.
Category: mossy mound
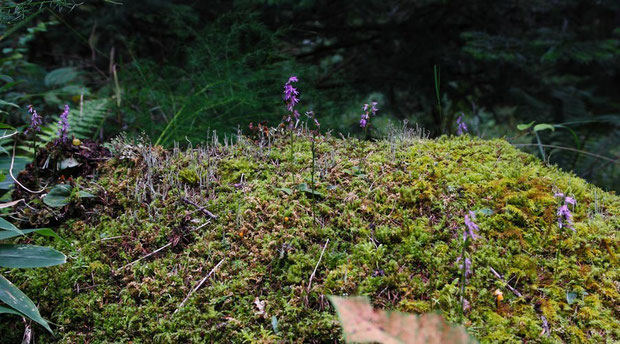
column 392, row 211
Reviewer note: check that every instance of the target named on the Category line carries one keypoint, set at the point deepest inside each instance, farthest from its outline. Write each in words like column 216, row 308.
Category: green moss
column 393, row 219
column 189, row 176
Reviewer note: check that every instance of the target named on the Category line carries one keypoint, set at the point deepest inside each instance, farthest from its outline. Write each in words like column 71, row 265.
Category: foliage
column 182, row 67
column 60, row 195
column 362, row 324
column 16, row 11
column 395, row 233
column 23, row 256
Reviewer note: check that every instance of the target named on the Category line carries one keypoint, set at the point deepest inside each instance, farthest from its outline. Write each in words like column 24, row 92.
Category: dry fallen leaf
column 362, row 324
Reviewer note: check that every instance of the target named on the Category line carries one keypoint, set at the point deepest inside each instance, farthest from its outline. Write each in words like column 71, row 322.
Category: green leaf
column 60, row 76
column 4, row 310
column 6, row 225
column 543, row 126
column 84, row 194
column 59, row 196
column 41, row 231
column 29, row 256
column 525, row 126
column 18, row 166
column 303, row 187
column 17, row 300
column 571, row 297
column 5, row 103
column 6, row 78
column 274, row 324
column 285, row 190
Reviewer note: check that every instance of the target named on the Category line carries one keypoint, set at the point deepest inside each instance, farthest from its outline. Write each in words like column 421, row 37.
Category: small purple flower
column 565, row 217
column 35, row 120
column 467, row 265
column 291, row 93
column 64, row 124
column 311, row 115
column 471, row 227
column 461, row 126
column 368, row 110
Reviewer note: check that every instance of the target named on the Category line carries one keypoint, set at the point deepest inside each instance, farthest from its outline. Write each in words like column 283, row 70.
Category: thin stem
column 463, row 271
column 540, row 147
column 34, row 162
column 312, row 181
column 569, row 149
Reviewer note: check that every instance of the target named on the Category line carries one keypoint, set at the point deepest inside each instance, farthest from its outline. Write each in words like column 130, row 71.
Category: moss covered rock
column 393, row 213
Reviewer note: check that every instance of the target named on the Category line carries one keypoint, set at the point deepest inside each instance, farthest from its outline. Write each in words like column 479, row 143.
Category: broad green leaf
column 363, row 324
column 303, row 187
column 285, row 190
column 59, row 196
column 5, row 103
column 17, row 300
column 525, row 126
column 6, row 225
column 6, row 78
column 60, row 76
column 543, row 126
column 4, row 310
column 5, row 163
column 29, row 256
column 42, row 231
column 84, row 194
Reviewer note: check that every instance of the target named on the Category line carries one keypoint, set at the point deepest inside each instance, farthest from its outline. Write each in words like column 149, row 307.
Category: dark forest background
column 175, row 70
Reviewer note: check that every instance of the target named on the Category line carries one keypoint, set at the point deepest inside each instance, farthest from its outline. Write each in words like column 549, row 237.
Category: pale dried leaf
column 10, row 204
column 362, row 324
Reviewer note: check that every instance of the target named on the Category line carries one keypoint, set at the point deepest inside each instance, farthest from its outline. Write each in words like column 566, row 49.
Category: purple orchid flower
column 64, row 124
column 565, row 217
column 369, row 109
column 461, row 126
column 467, row 265
column 471, row 226
column 35, row 120
column 291, row 93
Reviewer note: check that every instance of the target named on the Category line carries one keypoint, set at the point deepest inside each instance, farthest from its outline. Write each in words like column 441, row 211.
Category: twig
column 198, row 285
column 317, row 265
column 208, row 213
column 513, row 290
column 148, row 255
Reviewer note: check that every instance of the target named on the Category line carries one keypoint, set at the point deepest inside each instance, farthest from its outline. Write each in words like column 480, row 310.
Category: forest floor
column 270, row 232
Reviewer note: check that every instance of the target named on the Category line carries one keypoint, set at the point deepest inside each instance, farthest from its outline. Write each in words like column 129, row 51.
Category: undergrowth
column 393, row 229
